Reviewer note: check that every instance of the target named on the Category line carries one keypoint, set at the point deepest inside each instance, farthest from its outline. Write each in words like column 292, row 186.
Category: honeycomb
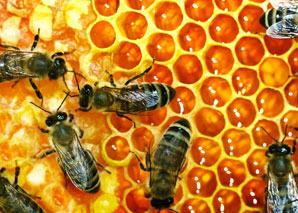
column 229, row 77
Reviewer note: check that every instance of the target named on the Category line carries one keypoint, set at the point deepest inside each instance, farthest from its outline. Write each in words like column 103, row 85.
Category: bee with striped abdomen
column 130, row 99
column 166, row 163
column 76, row 162
column 282, row 192
column 282, row 20
column 16, row 65
column 13, row 199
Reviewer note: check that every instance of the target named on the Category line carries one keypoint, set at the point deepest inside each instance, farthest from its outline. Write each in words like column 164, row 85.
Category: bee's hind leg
column 111, row 78
column 123, row 116
column 38, row 93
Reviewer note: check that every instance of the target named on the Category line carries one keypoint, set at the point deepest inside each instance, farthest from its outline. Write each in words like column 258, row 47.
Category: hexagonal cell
column 135, row 172
column 192, row 37
column 249, row 50
column 134, row 25
column 274, row 72
column 226, row 200
column 184, row 101
column 195, row 205
column 207, row 118
column 253, row 193
column 161, row 46
column 291, row 119
column 277, row 46
column 142, row 138
column 106, row 7
column 140, row 4
column 231, row 173
column 219, row 60
column 201, row 182
column 260, row 136
column 128, row 55
column 256, row 162
column 154, row 118
column 188, row 69
column 293, row 61
column 117, row 148
column 199, row 10
column 216, row 91
column 120, row 123
column 270, row 102
column 205, row 152
column 245, row 81
column 223, row 28
column 136, row 201
column 236, row 142
column 249, row 19
column 291, row 92
column 102, row 34
column 168, row 16
column 228, row 5
column 159, row 73
column 241, row 112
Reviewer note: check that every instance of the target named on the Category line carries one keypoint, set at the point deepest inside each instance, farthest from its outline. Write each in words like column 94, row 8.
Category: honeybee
column 13, row 199
column 167, row 161
column 16, row 65
column 282, row 192
column 282, row 20
column 130, row 99
column 76, row 162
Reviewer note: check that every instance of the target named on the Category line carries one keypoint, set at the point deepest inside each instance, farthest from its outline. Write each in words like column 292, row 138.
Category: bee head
column 85, row 95
column 162, row 204
column 102, row 98
column 40, row 64
column 279, row 149
column 57, row 117
column 58, row 69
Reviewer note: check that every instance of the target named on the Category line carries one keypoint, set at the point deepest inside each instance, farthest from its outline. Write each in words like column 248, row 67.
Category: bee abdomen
column 8, row 65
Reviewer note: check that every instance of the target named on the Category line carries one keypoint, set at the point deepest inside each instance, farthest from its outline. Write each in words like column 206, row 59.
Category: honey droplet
column 117, row 148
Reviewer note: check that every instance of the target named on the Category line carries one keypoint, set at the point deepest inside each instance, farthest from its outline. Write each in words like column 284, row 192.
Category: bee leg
column 294, row 146
column 81, row 133
column 15, row 82
column 44, row 130
column 98, row 164
column 60, row 54
column 36, row 38
column 83, row 109
column 142, row 74
column 38, row 93
column 46, row 153
column 140, row 162
column 123, row 116
column 111, row 79
column 16, row 175
column 9, row 46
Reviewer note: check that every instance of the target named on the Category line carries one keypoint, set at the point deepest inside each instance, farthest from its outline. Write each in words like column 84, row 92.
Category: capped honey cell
column 199, row 10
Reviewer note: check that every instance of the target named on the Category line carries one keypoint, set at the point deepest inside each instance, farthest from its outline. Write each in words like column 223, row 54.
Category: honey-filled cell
column 208, row 117
column 135, row 172
column 223, row 28
column 228, row 5
column 249, row 50
column 142, row 138
column 226, row 201
column 253, row 193
column 293, row 61
column 103, row 34
column 274, row 72
column 140, row 4
column 154, row 118
column 201, row 182
column 219, row 60
column 260, row 136
column 188, row 69
column 195, row 205
column 241, row 112
column 136, row 201
column 216, row 91
column 128, row 55
column 249, row 19
column 291, row 92
column 159, row 73
column 205, row 152
column 199, row 10
column 231, row 173
column 290, row 118
column 277, row 46
column 192, row 37
column 270, row 102
column 236, row 142
column 168, row 16
column 117, row 148
column 161, row 46
column 120, row 123
column 256, row 162
column 106, row 7
column 184, row 101
column 135, row 25
column 245, row 81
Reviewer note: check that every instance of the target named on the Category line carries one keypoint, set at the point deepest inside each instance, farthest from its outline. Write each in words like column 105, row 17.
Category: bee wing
column 283, row 3
column 284, row 29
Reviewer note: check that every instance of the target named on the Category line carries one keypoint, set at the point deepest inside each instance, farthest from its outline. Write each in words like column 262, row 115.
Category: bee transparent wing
column 283, row 3
column 284, row 29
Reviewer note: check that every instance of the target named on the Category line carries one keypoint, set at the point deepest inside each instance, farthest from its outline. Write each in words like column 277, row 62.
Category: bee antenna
column 67, row 94
column 76, row 79
column 269, row 134
column 286, row 130
column 40, row 108
column 173, row 210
